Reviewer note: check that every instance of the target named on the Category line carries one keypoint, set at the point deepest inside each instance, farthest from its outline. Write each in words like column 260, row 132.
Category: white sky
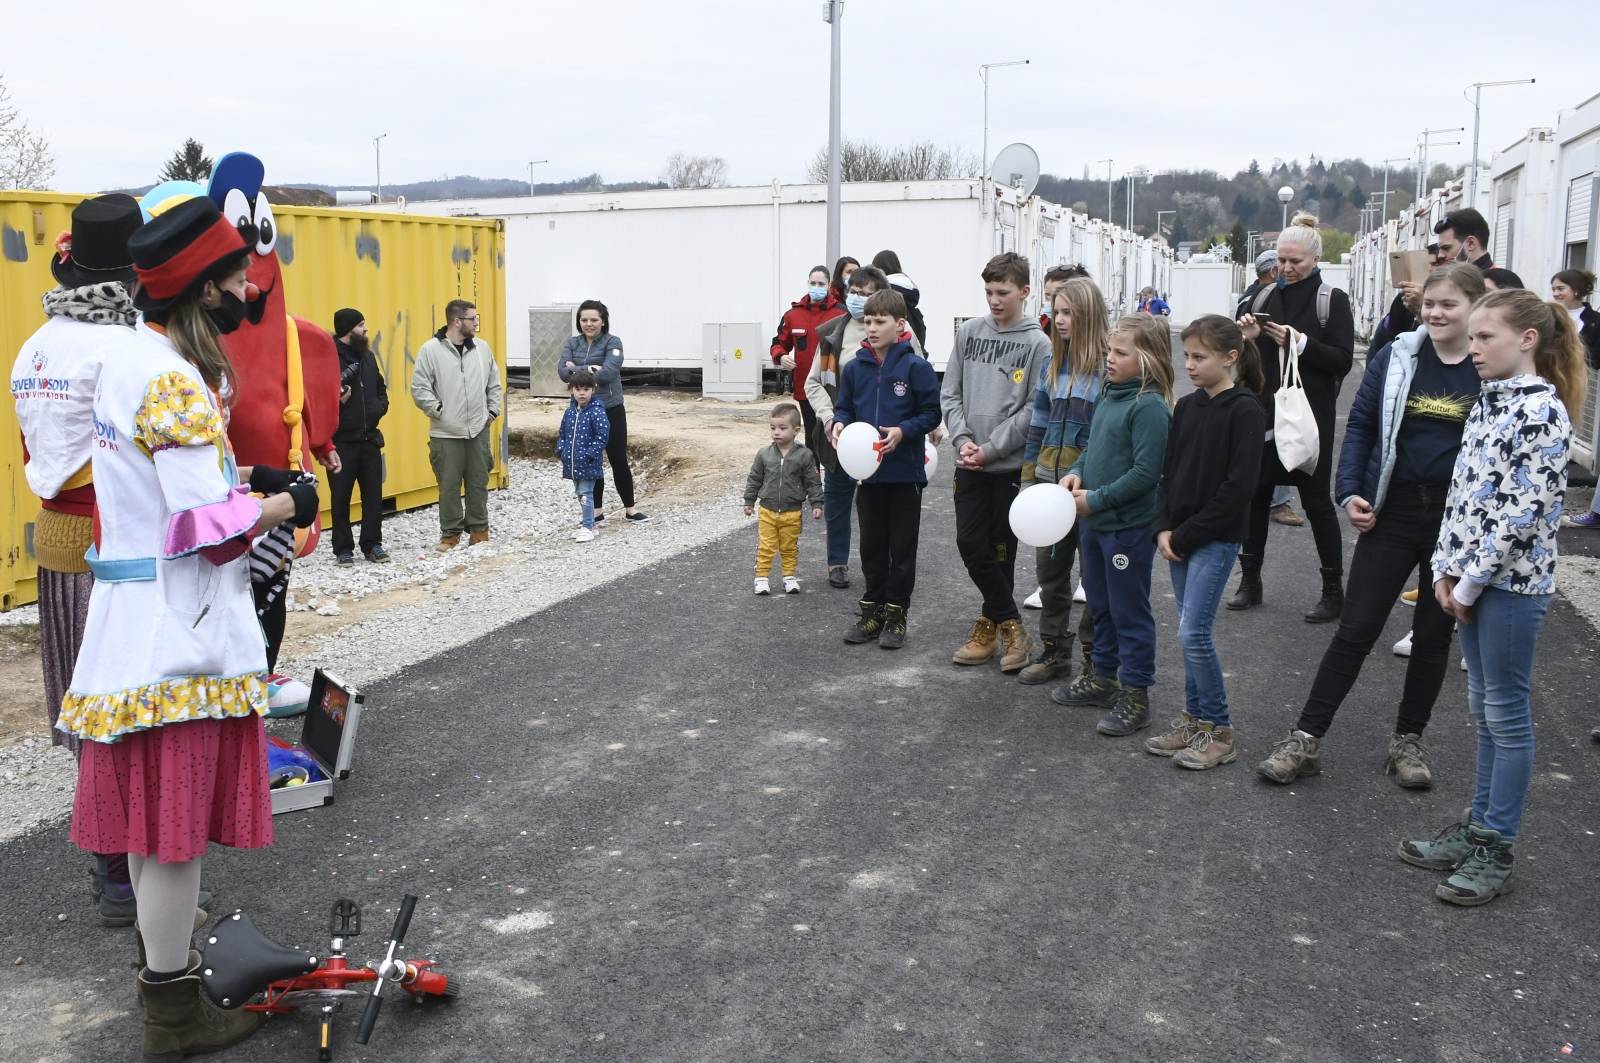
column 615, row 86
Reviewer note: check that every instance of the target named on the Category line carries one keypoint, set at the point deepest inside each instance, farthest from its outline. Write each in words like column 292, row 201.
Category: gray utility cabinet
column 549, row 328
column 733, row 355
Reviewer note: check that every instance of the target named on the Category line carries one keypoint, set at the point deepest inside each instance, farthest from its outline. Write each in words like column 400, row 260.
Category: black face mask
column 228, row 315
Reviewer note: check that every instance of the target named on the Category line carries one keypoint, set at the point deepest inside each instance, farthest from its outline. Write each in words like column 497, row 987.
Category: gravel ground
column 531, row 563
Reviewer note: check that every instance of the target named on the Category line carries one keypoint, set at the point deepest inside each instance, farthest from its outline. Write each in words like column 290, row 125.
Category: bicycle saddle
column 238, row 962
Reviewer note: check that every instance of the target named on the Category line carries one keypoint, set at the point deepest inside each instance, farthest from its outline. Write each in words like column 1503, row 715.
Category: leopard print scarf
column 106, row 303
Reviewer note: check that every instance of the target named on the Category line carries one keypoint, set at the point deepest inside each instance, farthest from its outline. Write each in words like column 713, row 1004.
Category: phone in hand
column 1262, row 318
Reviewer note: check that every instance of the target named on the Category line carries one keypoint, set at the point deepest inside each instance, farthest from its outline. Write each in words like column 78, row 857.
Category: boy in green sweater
column 783, row 478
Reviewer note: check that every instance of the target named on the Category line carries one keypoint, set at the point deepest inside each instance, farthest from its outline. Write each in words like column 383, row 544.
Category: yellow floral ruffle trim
column 107, row 717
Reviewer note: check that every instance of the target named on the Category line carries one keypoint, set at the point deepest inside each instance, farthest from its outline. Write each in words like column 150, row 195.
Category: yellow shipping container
column 397, row 269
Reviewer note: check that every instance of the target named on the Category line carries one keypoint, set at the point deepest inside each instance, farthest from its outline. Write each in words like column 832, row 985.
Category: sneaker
column 1130, row 712
column 1403, row 647
column 838, row 576
column 791, row 585
column 1299, row 754
column 980, row 646
column 1052, row 661
column 762, row 586
column 448, row 543
column 1034, row 600
column 1089, row 691
column 1594, row 735
column 1016, row 647
column 377, row 555
column 344, row 557
column 1463, row 664
column 116, row 905
column 1483, row 874
column 584, row 535
column 636, row 516
column 1408, row 762
column 868, row 626
column 893, row 635
column 1409, row 597
column 1587, row 520
column 1286, row 516
column 1211, row 747
column 1440, row 853
column 286, row 696
column 1080, row 597
column 599, row 517
column 1178, row 736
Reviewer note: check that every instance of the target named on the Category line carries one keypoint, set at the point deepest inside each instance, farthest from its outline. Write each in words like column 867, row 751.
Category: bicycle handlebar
column 402, row 923
column 369, row 1017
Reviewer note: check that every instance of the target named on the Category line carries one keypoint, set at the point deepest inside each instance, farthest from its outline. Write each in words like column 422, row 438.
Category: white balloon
column 857, row 454
column 930, row 458
column 1043, row 514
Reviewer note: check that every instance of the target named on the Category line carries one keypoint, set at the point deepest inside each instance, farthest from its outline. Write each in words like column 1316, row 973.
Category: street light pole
column 377, row 161
column 983, row 72
column 531, row 165
column 1386, row 163
column 1108, row 163
column 1477, row 88
column 1424, row 141
column 833, row 16
column 1158, row 219
column 1285, row 194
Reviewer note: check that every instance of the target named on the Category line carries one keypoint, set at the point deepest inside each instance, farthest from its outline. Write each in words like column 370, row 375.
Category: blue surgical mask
column 818, row 292
column 856, row 304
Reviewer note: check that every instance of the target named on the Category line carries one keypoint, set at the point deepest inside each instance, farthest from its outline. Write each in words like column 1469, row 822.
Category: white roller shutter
column 1500, row 250
column 1580, row 196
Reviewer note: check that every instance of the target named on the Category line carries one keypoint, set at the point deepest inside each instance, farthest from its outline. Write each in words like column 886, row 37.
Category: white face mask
column 817, row 292
column 856, row 304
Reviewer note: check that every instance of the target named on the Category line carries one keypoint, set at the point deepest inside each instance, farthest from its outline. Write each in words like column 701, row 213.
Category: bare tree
column 695, row 171
column 862, row 160
column 25, row 157
column 188, row 163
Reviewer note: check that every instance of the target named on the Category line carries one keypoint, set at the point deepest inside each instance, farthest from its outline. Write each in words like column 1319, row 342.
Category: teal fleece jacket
column 1121, row 466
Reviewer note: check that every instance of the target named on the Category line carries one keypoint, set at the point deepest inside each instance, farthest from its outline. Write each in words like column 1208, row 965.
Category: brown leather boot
column 448, row 543
column 1016, row 646
column 980, row 646
column 474, row 538
column 179, row 1021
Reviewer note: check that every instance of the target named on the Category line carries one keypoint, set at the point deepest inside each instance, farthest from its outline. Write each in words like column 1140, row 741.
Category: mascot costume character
column 288, row 402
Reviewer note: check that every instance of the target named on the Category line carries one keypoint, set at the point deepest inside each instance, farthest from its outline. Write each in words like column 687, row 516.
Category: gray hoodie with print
column 988, row 388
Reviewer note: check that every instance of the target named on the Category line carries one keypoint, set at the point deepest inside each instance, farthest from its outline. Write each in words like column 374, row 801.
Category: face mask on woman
column 856, row 304
column 817, row 292
column 228, row 315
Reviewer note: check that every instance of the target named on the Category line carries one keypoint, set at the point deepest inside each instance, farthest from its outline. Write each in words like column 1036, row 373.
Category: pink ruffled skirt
column 168, row 791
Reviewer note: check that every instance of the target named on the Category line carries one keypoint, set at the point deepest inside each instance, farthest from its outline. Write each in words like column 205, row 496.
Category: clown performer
column 88, row 314
column 287, row 406
column 168, row 691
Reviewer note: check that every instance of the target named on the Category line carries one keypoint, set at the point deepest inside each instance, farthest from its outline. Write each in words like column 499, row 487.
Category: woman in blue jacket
column 596, row 349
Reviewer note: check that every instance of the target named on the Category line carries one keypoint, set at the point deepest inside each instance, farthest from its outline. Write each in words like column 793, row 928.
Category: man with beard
column 363, row 400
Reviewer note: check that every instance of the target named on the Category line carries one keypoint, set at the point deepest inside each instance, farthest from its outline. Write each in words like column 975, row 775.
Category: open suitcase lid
column 333, row 712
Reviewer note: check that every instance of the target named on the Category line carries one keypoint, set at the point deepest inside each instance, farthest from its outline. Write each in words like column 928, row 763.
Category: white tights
column 165, row 896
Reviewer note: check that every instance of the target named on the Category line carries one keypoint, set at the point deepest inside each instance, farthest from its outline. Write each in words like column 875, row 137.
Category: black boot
column 179, row 1021
column 1331, row 604
column 1249, row 592
column 868, row 627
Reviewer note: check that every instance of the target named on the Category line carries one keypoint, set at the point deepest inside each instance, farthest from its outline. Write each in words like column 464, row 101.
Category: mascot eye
column 236, row 208
column 266, row 226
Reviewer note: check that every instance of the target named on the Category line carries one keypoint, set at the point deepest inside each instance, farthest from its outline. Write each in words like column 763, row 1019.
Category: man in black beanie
column 363, row 400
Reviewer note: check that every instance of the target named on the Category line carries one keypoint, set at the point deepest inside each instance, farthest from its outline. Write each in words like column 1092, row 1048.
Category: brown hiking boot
column 448, row 543
column 1286, row 516
column 1407, row 762
column 474, row 538
column 179, row 1021
column 1016, row 646
column 1052, row 662
column 980, row 646
column 1210, row 746
column 1177, row 738
column 1299, row 754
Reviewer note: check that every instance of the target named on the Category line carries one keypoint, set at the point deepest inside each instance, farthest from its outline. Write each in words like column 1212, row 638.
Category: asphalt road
column 670, row 821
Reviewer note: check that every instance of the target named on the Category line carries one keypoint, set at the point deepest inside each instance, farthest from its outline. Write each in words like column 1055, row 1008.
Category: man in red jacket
column 796, row 342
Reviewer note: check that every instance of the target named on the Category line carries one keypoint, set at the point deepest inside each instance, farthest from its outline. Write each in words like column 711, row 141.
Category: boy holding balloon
column 888, row 403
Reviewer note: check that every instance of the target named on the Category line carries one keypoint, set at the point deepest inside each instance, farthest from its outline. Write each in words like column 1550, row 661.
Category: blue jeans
column 1282, row 495
column 838, row 495
column 585, row 489
column 1197, row 584
column 1116, row 580
column 1499, row 645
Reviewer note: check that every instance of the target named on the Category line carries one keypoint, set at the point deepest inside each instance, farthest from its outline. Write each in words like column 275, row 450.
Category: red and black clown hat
column 180, row 248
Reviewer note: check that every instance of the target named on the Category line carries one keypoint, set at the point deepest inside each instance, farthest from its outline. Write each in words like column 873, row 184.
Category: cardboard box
column 1408, row 267
column 332, row 718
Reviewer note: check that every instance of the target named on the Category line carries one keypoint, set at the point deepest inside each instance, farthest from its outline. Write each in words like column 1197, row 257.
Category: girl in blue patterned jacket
column 1063, row 406
column 1494, row 568
column 585, row 431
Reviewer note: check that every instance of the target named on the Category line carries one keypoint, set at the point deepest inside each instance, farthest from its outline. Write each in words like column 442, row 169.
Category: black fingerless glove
column 304, row 493
column 265, row 480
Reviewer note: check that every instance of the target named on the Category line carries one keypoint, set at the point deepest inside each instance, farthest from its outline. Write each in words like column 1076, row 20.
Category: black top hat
column 97, row 248
column 179, row 248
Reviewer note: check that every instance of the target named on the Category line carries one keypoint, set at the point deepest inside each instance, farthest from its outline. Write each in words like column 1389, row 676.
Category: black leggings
column 617, row 452
column 1316, row 498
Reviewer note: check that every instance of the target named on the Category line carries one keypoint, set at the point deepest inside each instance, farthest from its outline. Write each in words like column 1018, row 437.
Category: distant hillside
column 467, row 187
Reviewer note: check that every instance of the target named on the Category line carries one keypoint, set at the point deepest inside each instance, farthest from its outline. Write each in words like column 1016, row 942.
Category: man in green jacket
column 457, row 384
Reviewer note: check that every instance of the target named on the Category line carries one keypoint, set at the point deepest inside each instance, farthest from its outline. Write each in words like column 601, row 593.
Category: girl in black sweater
column 1328, row 355
column 1212, row 466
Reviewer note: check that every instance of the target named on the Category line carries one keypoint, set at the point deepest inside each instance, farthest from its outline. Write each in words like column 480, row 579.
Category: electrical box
column 549, row 328
column 733, row 355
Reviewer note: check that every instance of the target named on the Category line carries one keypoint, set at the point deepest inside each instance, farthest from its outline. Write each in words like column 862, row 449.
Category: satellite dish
column 1017, row 166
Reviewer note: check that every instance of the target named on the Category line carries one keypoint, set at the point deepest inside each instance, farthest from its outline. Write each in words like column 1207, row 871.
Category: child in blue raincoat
column 585, row 430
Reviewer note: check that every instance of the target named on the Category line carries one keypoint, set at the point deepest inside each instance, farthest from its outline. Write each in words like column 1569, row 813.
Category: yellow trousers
column 779, row 533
